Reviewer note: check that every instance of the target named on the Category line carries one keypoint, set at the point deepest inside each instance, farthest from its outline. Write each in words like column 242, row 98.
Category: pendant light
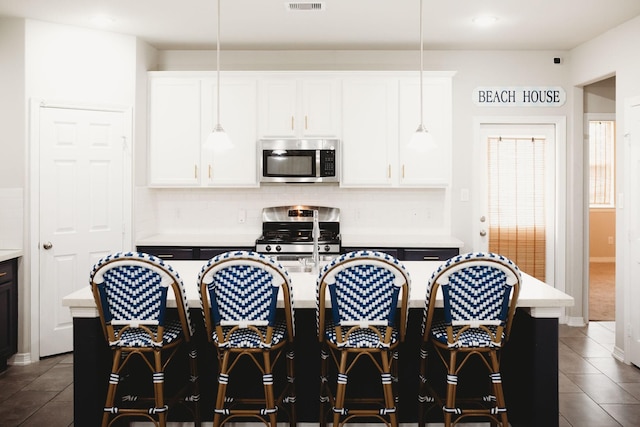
column 218, row 140
column 422, row 140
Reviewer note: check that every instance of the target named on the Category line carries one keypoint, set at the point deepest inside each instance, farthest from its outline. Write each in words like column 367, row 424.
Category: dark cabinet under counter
column 204, row 253
column 411, row 254
column 8, row 311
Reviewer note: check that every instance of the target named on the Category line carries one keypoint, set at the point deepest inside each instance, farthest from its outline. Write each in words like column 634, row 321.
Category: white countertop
column 369, row 239
column 6, row 254
column 540, row 299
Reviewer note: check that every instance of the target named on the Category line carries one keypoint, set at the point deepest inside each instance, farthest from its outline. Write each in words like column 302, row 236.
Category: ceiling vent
column 297, row 5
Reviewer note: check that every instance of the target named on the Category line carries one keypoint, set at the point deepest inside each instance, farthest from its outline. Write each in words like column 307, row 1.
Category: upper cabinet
column 369, row 131
column 431, row 168
column 175, row 135
column 238, row 117
column 374, row 114
column 293, row 107
column 380, row 114
column 182, row 112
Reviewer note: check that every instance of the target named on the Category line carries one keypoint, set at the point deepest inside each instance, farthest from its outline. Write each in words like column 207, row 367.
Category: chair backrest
column 365, row 288
column 240, row 288
column 477, row 289
column 130, row 290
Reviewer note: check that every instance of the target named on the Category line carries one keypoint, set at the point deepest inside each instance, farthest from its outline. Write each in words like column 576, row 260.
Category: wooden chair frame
column 455, row 357
column 156, row 357
column 334, row 398
column 264, row 357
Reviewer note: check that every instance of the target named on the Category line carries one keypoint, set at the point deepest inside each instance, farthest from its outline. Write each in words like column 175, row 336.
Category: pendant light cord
column 218, row 66
column 421, row 65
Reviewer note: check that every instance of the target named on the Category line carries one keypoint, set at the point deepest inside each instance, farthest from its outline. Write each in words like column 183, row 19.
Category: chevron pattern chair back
column 240, row 293
column 368, row 293
column 131, row 291
column 480, row 293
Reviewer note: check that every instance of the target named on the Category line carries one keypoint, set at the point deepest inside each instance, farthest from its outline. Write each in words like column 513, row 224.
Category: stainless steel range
column 288, row 232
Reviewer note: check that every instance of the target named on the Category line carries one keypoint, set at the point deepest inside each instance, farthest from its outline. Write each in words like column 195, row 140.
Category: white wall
column 73, row 66
column 613, row 53
column 12, row 136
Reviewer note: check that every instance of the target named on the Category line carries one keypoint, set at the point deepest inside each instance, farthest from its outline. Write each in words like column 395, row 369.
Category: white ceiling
column 343, row 24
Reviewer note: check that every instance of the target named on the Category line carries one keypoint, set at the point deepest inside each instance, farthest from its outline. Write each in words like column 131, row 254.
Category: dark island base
column 529, row 362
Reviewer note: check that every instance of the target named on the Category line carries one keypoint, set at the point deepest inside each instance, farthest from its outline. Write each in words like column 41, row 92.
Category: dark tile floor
column 595, row 389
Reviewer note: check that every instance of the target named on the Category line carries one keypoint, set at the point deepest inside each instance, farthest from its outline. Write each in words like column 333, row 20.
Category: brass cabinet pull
column 402, row 171
column 306, row 123
column 431, row 258
column 164, row 256
column 389, row 172
column 292, row 123
column 209, row 171
column 4, row 273
column 195, row 171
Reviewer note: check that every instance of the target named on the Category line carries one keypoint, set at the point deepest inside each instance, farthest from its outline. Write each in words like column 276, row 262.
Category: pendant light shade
column 422, row 140
column 218, row 140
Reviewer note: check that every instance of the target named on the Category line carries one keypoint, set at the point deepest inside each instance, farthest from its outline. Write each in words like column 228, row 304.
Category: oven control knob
column 327, row 248
column 267, row 248
column 278, row 248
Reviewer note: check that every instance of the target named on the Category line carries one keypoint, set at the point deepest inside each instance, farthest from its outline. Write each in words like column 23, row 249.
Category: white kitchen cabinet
column 369, row 131
column 238, row 116
column 431, row 168
column 293, row 107
column 380, row 114
column 174, row 131
column 182, row 112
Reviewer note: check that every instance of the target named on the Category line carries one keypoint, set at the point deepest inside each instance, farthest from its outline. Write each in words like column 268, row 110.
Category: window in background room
column 517, row 219
column 602, row 163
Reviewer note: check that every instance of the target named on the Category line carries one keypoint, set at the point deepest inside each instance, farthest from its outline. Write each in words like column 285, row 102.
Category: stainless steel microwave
column 299, row 160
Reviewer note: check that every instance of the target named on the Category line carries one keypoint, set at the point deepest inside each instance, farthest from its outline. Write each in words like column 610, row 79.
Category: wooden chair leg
column 496, row 379
column 291, row 387
column 223, row 380
column 452, row 384
column 341, row 389
column 114, row 379
column 325, row 395
column 387, row 386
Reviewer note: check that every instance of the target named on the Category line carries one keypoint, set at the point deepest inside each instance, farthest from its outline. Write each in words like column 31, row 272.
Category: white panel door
column 81, row 208
column 632, row 184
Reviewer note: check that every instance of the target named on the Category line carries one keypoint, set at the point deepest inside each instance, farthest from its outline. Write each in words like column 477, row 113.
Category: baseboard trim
column 20, row 359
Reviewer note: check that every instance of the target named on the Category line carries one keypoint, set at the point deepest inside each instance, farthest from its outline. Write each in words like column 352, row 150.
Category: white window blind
column 517, row 201
column 602, row 163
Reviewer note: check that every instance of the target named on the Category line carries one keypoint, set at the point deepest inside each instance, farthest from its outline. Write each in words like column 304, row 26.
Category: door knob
column 47, row 245
column 483, row 233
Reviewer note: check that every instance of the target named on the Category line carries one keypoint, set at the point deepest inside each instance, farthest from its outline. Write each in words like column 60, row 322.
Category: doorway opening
column 600, row 130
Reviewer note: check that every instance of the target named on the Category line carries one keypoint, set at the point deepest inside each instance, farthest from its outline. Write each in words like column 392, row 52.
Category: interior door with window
column 516, row 184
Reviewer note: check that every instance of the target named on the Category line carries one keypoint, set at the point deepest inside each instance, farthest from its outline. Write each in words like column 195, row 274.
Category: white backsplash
column 11, row 218
column 211, row 211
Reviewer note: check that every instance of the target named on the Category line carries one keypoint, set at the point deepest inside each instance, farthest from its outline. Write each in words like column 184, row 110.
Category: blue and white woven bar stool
column 239, row 292
column 480, row 293
column 130, row 290
column 368, row 293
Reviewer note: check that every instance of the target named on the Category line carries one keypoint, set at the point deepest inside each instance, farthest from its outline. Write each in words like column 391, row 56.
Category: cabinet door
column 433, row 167
column 238, row 117
column 320, row 113
column 369, row 131
column 174, row 132
column 291, row 107
column 278, row 105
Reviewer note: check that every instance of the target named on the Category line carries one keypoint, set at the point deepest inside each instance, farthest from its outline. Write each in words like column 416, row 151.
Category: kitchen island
column 530, row 359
